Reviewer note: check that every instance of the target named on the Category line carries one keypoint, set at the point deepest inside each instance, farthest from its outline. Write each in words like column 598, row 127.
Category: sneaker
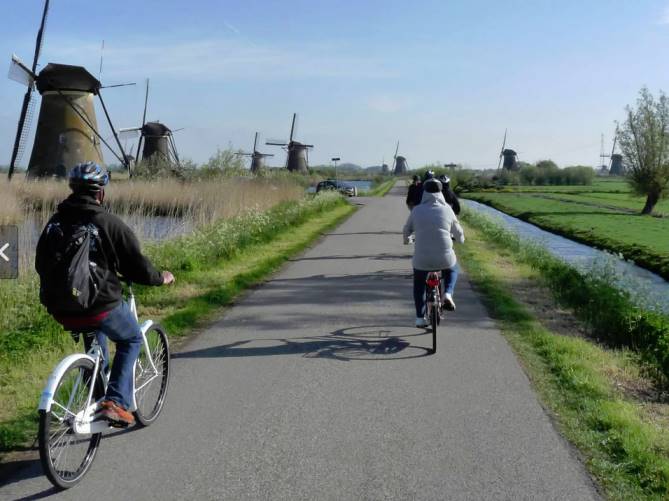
column 448, row 302
column 115, row 414
column 421, row 322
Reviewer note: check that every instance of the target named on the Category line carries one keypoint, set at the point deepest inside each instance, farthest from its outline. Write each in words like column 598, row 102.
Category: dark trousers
column 449, row 277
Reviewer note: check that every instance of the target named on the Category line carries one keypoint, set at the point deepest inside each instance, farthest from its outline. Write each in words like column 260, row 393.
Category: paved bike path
column 316, row 386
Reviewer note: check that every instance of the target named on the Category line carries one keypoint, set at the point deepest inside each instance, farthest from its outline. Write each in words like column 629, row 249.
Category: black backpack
column 72, row 282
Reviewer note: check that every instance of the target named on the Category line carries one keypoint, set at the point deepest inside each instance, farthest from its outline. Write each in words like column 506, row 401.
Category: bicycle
column 69, row 434
column 433, row 305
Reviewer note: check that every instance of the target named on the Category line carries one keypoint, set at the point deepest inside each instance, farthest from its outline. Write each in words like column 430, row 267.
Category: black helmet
column 428, row 175
column 444, row 179
column 88, row 177
column 432, row 186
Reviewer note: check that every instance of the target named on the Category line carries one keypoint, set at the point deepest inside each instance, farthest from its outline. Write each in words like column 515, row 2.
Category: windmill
column 616, row 167
column 400, row 165
column 67, row 131
column 508, row 155
column 297, row 159
column 156, row 137
column 257, row 158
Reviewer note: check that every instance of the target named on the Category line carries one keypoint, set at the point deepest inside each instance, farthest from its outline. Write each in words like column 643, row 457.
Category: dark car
column 341, row 186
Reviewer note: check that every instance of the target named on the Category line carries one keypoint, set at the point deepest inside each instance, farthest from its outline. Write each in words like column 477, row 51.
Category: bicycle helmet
column 444, row 179
column 88, row 177
column 429, row 175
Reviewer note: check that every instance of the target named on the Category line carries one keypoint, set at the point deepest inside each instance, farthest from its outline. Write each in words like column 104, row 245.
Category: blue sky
column 444, row 77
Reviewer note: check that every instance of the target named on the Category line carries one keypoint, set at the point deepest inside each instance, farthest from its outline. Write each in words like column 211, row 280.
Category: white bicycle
column 69, row 434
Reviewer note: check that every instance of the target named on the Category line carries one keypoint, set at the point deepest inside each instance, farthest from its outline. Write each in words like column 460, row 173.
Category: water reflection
column 647, row 288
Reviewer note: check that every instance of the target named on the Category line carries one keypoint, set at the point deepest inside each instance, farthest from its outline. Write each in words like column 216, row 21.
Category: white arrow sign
column 2, row 252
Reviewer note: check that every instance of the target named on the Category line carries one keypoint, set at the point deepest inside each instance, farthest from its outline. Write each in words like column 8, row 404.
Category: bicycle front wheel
column 65, row 455
column 152, row 374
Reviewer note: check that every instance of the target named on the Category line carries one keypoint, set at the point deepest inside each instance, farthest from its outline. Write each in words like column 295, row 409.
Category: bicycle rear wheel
column 66, row 456
column 434, row 321
column 151, row 384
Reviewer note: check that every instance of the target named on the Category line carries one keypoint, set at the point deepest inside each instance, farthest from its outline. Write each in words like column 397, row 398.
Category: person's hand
column 168, row 278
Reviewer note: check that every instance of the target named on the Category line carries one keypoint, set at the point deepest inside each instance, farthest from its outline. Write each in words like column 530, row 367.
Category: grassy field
column 212, row 265
column 601, row 398
column 604, row 219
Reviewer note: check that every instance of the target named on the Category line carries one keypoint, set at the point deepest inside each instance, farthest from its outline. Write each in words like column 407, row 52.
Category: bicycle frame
column 83, row 421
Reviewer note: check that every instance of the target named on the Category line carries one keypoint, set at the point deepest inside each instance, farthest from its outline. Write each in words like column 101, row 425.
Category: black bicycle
column 433, row 305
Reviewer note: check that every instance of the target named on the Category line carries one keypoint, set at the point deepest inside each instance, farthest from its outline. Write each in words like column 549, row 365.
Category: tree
column 644, row 141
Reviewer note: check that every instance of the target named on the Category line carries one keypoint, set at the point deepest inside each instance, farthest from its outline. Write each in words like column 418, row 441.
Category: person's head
column 415, row 178
column 445, row 180
column 88, row 178
column 428, row 175
column 432, row 186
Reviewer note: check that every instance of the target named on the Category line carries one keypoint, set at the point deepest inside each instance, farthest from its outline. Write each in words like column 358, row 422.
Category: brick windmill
column 257, row 158
column 67, row 131
column 297, row 159
column 507, row 156
column 400, row 165
column 156, row 138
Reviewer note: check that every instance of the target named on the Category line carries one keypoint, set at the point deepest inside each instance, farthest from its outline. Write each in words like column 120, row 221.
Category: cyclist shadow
column 374, row 343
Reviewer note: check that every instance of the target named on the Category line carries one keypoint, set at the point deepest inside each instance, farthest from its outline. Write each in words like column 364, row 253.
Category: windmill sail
column 27, row 108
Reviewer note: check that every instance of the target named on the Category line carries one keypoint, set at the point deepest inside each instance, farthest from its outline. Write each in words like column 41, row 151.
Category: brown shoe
column 115, row 414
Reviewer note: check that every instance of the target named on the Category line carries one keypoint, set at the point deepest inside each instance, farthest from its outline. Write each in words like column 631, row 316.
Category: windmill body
column 617, row 166
column 156, row 138
column 297, row 159
column 66, row 127
column 401, row 166
column 510, row 161
column 257, row 158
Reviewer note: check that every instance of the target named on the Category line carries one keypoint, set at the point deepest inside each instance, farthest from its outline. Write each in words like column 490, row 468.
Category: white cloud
column 664, row 16
column 387, row 103
column 216, row 59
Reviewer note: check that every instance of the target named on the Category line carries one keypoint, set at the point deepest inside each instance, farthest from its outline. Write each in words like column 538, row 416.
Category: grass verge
column 381, row 189
column 212, row 267
column 623, row 448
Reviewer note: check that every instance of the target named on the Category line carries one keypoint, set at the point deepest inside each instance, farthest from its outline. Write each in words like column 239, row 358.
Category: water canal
column 646, row 288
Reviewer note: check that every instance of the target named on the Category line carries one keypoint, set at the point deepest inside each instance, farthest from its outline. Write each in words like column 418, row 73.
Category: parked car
column 342, row 187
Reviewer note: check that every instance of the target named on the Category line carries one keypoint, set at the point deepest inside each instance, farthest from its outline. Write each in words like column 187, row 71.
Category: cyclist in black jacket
column 119, row 256
column 449, row 195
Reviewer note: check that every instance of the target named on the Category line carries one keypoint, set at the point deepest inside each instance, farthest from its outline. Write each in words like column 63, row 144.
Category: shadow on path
column 352, row 343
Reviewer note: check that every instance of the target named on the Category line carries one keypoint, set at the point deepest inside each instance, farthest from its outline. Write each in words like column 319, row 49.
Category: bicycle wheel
column 66, row 456
column 151, row 384
column 434, row 321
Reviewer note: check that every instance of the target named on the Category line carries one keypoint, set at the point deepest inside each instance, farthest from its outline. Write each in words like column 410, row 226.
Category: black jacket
column 451, row 199
column 120, row 253
column 414, row 194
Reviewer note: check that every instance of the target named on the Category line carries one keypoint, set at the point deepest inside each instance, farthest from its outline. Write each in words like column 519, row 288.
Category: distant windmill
column 400, row 165
column 508, row 156
column 157, row 138
column 297, row 159
column 67, row 131
column 616, row 166
column 384, row 167
column 257, row 158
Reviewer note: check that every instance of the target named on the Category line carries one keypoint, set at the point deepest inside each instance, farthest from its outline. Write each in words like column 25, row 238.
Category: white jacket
column 435, row 226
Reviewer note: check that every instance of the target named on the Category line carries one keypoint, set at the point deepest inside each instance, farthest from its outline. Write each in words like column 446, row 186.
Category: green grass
column 627, row 452
column 212, row 266
column 381, row 189
column 642, row 239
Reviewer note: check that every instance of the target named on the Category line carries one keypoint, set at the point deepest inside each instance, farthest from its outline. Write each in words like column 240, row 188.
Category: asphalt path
column 317, row 386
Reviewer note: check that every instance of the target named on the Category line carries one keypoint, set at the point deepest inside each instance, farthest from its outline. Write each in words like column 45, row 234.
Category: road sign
column 9, row 251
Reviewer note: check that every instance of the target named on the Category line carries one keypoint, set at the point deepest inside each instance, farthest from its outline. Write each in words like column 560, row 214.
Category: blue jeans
column 449, row 276
column 121, row 327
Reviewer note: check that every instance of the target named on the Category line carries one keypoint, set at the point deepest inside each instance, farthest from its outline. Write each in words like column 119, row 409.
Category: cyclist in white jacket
column 435, row 227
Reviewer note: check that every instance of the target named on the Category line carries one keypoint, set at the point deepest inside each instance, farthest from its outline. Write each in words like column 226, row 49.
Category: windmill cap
column 65, row 77
column 155, row 129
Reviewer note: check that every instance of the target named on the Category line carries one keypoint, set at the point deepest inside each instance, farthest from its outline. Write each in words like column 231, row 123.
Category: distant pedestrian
column 415, row 193
column 449, row 195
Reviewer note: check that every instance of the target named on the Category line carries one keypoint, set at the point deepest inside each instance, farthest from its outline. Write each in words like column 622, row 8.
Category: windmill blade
column 266, row 154
column 276, row 142
column 20, row 73
column 613, row 149
column 129, row 133
column 146, row 103
column 255, row 143
column 40, row 36
column 397, row 149
column 244, row 154
column 292, row 127
column 501, row 152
